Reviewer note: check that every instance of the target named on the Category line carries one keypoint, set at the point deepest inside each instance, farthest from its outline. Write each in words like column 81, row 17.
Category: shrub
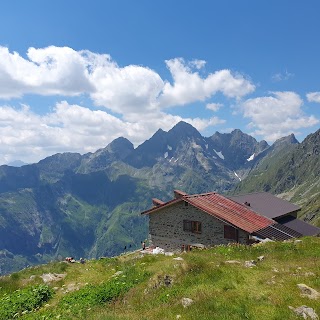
column 28, row 299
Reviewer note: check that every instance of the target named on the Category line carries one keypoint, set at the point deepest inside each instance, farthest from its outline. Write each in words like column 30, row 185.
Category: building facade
column 181, row 226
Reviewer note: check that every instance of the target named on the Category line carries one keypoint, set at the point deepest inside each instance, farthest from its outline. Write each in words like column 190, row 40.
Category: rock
column 250, row 264
column 297, row 241
column 158, row 250
column 260, row 258
column 118, row 273
column 305, row 312
column 170, row 254
column 186, row 302
column 32, row 277
column 167, row 280
column 178, row 259
column 178, row 316
column 275, row 270
column 233, row 262
column 50, row 277
column 308, row 292
column 72, row 287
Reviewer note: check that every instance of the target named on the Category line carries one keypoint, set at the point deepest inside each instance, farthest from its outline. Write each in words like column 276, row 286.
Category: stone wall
column 166, row 228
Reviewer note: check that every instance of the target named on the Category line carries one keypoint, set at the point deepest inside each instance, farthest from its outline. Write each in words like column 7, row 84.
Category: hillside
column 293, row 175
column 219, row 281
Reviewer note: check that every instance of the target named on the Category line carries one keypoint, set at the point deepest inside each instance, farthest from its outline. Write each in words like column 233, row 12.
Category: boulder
column 250, row 264
column 186, row 302
column 308, row 291
column 305, row 312
column 50, row 277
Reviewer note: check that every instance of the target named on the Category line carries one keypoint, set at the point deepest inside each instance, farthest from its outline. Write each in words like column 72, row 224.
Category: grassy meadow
column 136, row 286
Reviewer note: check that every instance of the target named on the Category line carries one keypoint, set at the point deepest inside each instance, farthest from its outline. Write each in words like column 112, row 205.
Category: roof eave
column 165, row 205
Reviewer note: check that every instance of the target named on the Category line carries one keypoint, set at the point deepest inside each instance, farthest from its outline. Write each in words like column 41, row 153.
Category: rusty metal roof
column 266, row 204
column 224, row 209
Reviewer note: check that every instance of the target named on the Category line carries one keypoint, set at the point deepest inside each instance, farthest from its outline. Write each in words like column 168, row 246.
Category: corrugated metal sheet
column 278, row 232
column 266, row 204
column 300, row 226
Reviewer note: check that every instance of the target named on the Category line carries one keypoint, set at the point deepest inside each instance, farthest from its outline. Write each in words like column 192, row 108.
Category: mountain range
column 89, row 205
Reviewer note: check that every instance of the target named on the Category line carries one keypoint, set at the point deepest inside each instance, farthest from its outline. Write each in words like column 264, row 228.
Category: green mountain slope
column 215, row 282
column 292, row 174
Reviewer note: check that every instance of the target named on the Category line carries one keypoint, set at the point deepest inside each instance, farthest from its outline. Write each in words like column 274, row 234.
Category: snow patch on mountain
column 250, row 158
column 165, row 155
column 219, row 154
column 195, row 146
column 169, row 147
column 236, row 175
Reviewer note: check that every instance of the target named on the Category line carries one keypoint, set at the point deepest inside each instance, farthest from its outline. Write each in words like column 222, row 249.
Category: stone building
column 208, row 219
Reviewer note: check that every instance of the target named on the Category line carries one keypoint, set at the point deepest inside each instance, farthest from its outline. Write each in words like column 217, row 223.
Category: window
column 192, row 226
column 230, row 233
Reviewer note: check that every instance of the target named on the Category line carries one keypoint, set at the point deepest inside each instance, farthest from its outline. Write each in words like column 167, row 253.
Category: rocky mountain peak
column 183, row 129
column 313, row 138
column 263, row 144
column 284, row 141
column 121, row 147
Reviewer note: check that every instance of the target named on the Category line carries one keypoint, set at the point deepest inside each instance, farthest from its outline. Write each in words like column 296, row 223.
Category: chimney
column 156, row 202
column 247, row 204
column 179, row 194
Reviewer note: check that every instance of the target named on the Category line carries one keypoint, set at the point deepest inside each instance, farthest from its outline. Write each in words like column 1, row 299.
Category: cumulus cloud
column 277, row 115
column 313, row 97
column 49, row 71
column 198, row 64
column 188, row 86
column 214, row 106
column 130, row 90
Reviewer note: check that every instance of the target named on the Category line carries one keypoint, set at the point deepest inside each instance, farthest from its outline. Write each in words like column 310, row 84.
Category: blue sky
column 74, row 75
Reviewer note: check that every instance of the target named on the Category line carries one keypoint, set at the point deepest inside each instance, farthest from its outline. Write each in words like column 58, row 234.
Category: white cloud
column 130, row 90
column 282, row 76
column 188, row 86
column 49, row 71
column 277, row 115
column 313, row 97
column 198, row 64
column 214, row 106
